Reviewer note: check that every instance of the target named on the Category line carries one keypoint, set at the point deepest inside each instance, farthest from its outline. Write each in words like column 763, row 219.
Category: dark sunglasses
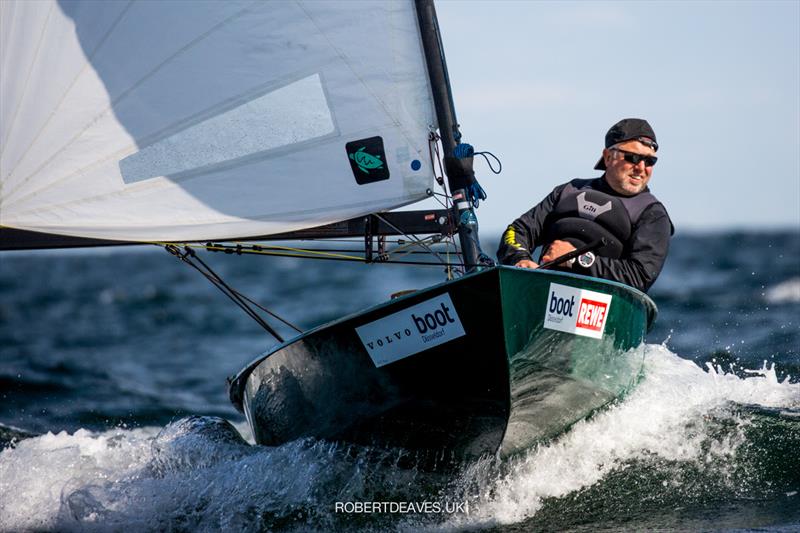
column 632, row 158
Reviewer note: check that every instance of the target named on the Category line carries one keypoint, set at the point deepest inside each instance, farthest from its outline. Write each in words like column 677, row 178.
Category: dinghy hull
column 493, row 361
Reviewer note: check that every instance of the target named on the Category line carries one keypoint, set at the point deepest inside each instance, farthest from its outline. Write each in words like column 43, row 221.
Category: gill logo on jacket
column 589, row 209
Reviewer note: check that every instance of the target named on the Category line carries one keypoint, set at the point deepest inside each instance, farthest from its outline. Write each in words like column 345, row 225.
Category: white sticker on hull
column 577, row 311
column 412, row 330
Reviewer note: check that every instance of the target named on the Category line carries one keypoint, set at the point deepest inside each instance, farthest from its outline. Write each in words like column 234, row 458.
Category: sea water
column 115, row 361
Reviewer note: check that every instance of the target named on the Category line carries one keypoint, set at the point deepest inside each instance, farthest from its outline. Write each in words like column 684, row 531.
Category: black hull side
column 452, row 397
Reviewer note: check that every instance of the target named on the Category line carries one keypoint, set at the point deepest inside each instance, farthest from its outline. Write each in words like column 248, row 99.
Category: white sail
column 171, row 121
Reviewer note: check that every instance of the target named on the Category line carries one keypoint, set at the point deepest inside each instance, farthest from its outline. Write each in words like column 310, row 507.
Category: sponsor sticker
column 577, row 311
column 412, row 330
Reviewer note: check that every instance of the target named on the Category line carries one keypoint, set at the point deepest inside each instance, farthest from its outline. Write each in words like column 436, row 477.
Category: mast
column 448, row 130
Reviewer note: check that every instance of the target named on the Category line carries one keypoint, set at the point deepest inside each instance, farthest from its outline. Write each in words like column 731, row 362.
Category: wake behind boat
column 493, row 361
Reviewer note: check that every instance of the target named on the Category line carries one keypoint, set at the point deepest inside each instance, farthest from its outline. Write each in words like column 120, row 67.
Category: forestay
column 178, row 121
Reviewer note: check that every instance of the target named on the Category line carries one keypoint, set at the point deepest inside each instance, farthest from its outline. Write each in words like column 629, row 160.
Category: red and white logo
column 591, row 315
column 577, row 311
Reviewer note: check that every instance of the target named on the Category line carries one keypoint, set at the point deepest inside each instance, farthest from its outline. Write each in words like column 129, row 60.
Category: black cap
column 626, row 130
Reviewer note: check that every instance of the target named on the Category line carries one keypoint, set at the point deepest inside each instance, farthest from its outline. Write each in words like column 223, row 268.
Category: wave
column 785, row 292
column 684, row 436
column 681, row 421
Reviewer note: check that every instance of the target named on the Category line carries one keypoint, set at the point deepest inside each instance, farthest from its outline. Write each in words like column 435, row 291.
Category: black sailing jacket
column 645, row 246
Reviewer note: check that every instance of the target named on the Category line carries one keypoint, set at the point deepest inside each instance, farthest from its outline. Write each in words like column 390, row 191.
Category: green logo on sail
column 366, row 161
column 367, row 158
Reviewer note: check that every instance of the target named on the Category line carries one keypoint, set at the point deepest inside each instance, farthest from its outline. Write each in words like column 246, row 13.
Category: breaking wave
column 686, row 436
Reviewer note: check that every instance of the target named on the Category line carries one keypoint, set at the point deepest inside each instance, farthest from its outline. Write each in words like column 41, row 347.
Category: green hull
column 559, row 378
column 464, row 368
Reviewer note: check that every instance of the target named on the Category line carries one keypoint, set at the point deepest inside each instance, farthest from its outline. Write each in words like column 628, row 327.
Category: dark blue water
column 103, row 353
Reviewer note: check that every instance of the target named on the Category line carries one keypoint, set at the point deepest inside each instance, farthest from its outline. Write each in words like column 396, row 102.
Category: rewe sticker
column 592, row 315
column 412, row 330
column 577, row 311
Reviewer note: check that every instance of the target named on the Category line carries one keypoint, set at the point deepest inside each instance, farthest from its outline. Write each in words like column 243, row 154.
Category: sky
column 540, row 83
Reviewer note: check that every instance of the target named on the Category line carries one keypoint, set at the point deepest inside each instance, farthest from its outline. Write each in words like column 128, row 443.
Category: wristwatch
column 586, row 260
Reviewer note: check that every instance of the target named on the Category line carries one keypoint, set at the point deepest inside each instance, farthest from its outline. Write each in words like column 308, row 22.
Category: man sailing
column 617, row 207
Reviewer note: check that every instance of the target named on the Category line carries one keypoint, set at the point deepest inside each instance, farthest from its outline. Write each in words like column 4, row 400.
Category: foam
column 663, row 418
column 174, row 477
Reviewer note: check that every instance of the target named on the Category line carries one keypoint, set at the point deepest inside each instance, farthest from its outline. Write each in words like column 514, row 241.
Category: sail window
column 293, row 114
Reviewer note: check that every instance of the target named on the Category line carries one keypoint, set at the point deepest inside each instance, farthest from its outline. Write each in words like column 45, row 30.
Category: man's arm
column 522, row 236
column 649, row 245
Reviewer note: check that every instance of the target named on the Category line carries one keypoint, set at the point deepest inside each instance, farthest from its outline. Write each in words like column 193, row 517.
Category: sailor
column 629, row 228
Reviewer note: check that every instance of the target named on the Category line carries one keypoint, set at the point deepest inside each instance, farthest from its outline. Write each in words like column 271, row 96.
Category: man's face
column 625, row 177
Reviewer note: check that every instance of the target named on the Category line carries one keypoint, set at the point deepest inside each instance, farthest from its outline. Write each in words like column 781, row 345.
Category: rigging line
column 393, row 250
column 190, row 256
column 270, row 313
column 240, row 251
column 218, row 285
column 404, row 249
column 433, row 146
column 233, row 250
column 418, row 263
column 357, row 260
column 433, row 141
column 401, row 246
column 290, row 249
column 443, row 204
column 411, row 238
column 485, row 155
column 445, row 242
column 215, row 279
column 445, row 196
column 315, row 239
column 436, row 239
column 382, row 262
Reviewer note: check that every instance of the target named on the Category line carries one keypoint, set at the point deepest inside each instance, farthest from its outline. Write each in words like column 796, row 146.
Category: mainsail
column 180, row 121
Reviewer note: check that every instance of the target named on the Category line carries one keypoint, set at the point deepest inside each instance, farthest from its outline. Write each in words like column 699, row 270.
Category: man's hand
column 556, row 250
column 526, row 263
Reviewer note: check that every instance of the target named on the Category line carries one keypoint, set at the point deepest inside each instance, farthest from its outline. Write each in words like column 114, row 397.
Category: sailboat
column 217, row 125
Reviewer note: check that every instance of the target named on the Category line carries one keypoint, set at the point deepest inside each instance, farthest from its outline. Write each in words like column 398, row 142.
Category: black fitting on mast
column 448, row 130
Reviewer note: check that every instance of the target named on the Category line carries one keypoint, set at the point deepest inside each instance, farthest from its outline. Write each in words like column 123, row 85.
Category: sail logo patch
column 576, row 311
column 367, row 160
column 412, row 330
